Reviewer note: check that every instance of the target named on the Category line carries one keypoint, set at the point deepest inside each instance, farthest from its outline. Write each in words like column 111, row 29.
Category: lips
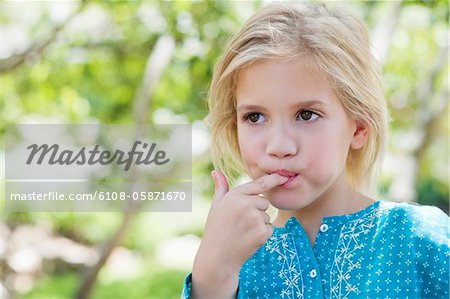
column 285, row 173
column 292, row 177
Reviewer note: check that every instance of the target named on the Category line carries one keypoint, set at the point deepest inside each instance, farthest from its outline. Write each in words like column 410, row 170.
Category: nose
column 281, row 141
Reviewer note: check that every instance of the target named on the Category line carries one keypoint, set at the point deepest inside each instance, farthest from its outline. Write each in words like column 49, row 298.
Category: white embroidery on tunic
column 344, row 259
column 289, row 272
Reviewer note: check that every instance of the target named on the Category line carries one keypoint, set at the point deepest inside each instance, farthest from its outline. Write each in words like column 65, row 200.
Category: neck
column 340, row 199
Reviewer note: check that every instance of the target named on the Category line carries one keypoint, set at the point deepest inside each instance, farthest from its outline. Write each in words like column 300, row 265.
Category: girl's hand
column 237, row 225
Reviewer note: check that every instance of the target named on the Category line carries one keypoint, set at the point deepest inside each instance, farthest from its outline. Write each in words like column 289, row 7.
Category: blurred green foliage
column 155, row 283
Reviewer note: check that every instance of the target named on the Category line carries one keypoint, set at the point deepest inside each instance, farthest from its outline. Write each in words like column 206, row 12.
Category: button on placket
column 313, row 273
column 324, row 227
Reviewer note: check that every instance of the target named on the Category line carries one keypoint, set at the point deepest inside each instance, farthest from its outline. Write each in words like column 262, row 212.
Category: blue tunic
column 387, row 250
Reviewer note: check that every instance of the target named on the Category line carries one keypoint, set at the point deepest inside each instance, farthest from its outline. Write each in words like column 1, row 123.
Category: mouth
column 285, row 173
column 292, row 176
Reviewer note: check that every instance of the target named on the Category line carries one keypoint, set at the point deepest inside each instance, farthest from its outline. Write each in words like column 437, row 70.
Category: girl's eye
column 254, row 117
column 304, row 115
column 308, row 115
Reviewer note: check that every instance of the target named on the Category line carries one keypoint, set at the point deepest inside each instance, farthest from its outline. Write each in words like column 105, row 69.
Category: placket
column 310, row 267
column 324, row 252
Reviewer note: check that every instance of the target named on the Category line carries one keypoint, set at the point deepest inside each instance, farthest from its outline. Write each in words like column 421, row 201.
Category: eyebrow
column 308, row 103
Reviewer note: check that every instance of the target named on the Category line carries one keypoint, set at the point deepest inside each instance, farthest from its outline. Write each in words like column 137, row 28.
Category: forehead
column 283, row 80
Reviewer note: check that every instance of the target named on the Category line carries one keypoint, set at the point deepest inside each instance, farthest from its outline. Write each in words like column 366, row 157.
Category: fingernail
column 213, row 174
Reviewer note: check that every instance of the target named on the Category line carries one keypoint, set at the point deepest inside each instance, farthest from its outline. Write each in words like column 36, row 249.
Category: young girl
column 296, row 103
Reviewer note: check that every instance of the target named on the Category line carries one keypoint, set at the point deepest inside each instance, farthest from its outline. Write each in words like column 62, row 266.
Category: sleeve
column 187, row 288
column 432, row 252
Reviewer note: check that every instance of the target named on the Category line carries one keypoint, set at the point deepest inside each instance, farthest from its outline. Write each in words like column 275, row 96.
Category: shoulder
column 417, row 238
column 419, row 221
column 413, row 212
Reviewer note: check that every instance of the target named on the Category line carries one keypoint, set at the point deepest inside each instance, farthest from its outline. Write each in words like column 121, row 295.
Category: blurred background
column 151, row 62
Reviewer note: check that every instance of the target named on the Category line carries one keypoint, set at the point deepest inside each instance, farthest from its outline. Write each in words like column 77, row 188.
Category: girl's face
column 290, row 121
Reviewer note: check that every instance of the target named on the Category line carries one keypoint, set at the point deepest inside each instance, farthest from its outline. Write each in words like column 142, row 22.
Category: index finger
column 262, row 184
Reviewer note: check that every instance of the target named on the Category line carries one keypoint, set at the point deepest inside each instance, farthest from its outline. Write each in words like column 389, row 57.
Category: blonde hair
column 338, row 44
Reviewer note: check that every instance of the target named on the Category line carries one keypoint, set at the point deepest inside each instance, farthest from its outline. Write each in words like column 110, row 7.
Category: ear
column 360, row 135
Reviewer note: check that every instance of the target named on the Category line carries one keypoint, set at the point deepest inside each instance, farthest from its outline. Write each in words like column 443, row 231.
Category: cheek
column 325, row 156
column 246, row 152
column 248, row 148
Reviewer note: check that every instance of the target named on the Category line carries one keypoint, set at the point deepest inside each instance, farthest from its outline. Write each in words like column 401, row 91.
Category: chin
column 286, row 203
